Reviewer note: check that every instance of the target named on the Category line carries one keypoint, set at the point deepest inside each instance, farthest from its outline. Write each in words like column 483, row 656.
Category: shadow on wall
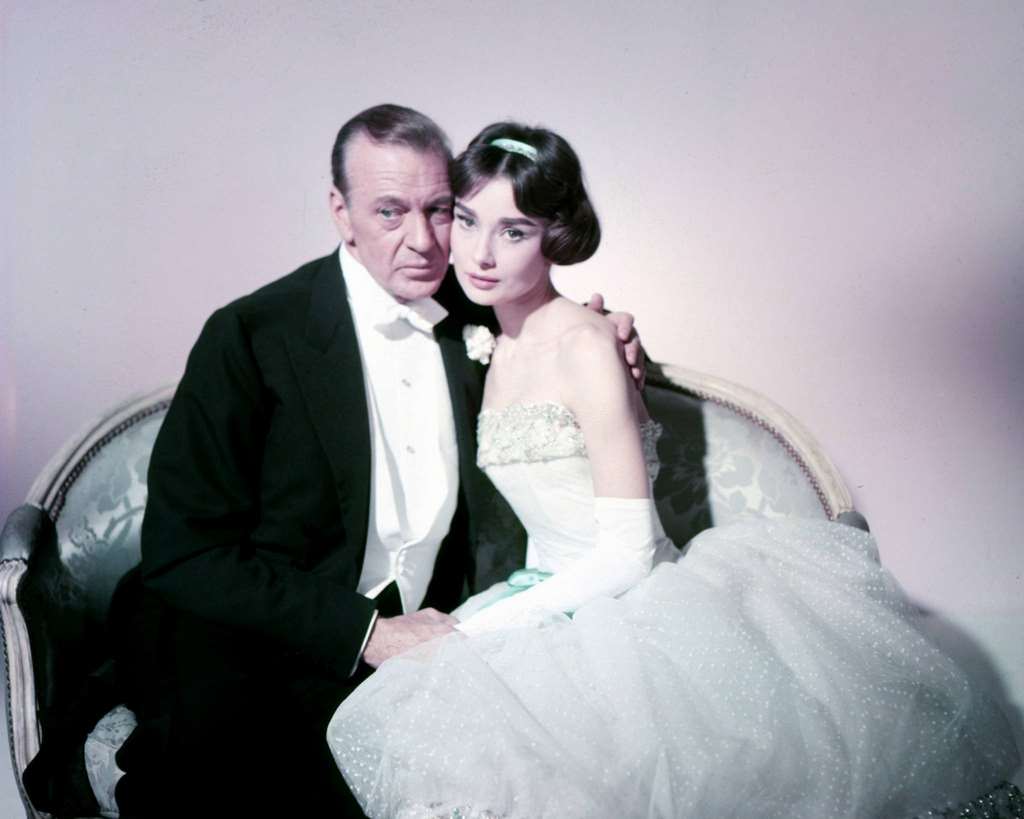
column 977, row 661
column 966, row 328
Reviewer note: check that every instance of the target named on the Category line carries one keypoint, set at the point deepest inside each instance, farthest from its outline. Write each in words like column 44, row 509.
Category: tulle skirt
column 775, row 670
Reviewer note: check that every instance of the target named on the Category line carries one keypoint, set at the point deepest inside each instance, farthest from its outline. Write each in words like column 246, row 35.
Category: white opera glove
column 621, row 558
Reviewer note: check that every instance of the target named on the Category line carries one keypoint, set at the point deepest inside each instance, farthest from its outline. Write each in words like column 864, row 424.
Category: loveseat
column 726, row 452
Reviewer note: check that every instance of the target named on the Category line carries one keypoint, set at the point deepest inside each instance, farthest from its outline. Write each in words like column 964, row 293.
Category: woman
column 773, row 670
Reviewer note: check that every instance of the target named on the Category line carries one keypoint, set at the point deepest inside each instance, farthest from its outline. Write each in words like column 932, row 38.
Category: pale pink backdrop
column 824, row 202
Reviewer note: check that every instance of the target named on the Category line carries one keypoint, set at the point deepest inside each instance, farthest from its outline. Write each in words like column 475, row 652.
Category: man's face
column 397, row 216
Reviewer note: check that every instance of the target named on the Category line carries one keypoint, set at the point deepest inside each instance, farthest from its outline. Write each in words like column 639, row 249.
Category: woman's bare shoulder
column 590, row 359
column 592, row 365
column 585, row 333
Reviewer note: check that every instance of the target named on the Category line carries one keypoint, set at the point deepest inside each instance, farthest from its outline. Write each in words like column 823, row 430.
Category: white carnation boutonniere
column 480, row 342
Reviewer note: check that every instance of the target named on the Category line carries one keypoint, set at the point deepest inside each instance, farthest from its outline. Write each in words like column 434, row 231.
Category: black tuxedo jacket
column 259, row 483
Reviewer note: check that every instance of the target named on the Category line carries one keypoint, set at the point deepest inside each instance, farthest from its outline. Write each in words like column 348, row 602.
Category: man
column 313, row 498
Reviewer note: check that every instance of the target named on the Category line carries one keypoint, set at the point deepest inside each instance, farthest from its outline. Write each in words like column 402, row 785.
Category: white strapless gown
column 773, row 670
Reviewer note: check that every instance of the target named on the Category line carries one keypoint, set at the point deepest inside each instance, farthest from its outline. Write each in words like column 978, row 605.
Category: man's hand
column 393, row 635
column 626, row 332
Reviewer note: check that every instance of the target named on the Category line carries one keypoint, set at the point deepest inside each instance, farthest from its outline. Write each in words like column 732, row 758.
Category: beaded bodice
column 542, row 432
column 536, row 457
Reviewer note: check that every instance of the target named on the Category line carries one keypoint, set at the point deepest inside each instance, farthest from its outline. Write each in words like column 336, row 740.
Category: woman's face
column 496, row 248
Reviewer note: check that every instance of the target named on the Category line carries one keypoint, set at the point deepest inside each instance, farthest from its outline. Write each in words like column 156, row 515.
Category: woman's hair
column 547, row 183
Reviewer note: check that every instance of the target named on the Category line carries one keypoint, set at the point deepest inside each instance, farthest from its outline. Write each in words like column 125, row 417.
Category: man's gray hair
column 391, row 125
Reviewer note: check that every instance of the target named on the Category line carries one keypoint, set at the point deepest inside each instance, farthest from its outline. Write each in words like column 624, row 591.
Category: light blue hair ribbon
column 514, row 146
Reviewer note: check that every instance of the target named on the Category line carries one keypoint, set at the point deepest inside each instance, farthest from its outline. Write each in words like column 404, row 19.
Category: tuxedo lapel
column 330, row 374
column 465, row 388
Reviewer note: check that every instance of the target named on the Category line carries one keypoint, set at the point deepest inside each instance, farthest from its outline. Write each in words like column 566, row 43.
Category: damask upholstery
column 717, row 466
column 726, row 453
column 99, row 520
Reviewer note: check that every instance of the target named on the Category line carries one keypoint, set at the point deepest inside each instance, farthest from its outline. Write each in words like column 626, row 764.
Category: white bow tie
column 401, row 316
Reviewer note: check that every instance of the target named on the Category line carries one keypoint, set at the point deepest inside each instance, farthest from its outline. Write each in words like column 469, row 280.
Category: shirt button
column 406, row 382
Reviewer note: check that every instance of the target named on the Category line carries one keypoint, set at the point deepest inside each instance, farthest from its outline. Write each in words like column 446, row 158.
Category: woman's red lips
column 481, row 282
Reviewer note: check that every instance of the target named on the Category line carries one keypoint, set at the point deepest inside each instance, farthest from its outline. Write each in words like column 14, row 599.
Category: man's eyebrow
column 443, row 201
column 389, row 200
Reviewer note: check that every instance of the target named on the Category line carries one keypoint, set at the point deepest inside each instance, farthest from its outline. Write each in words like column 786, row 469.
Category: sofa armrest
column 855, row 519
column 25, row 529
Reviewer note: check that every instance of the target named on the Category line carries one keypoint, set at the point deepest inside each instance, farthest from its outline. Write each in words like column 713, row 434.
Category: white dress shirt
column 414, row 455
